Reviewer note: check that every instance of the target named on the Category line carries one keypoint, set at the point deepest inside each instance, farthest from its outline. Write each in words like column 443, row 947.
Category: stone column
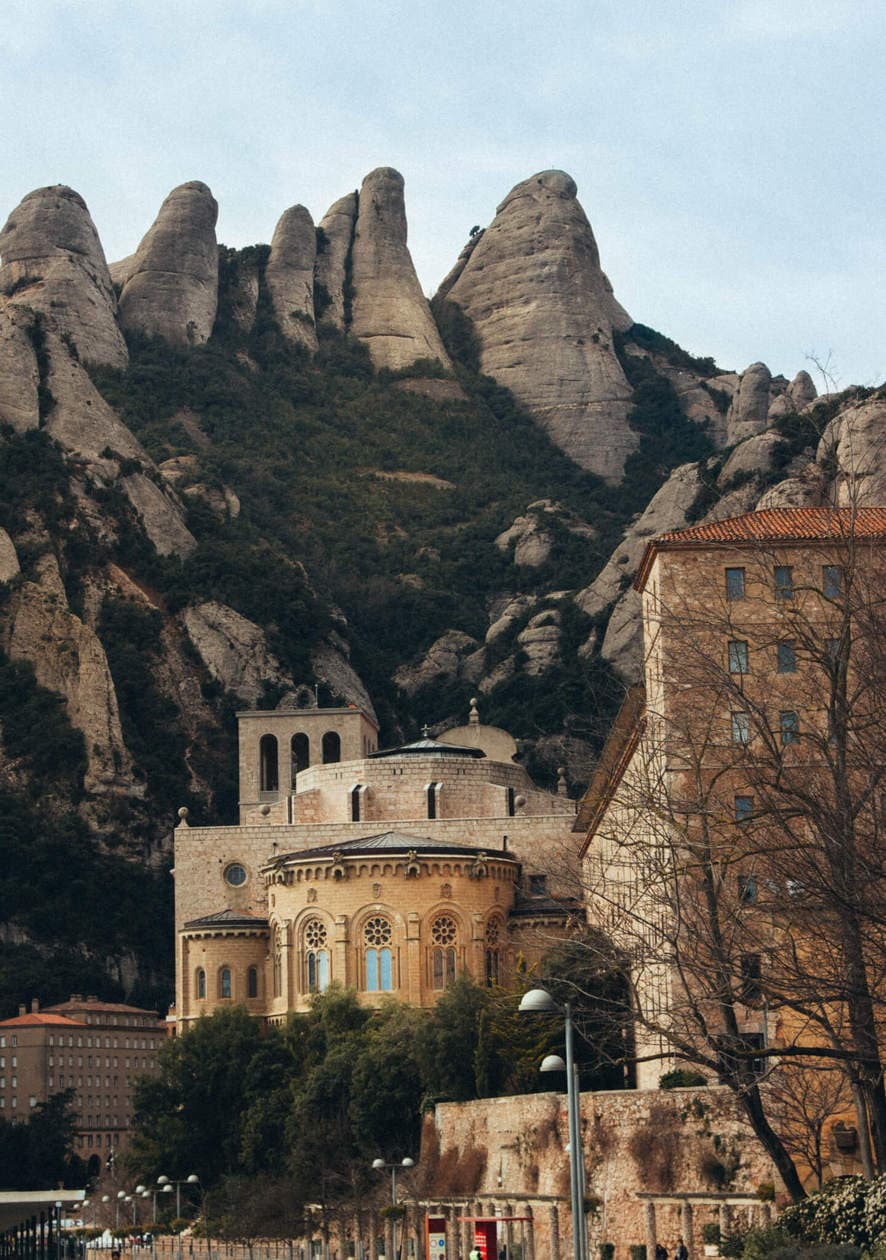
column 527, row 1235
column 373, row 1235
column 509, row 1229
column 452, row 1240
column 687, row 1229
column 651, row 1231
column 554, row 1223
column 340, row 950
column 412, row 981
column 725, row 1220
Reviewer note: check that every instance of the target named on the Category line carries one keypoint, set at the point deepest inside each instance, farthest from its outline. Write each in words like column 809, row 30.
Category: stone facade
column 669, row 1149
column 458, row 860
column 98, row 1049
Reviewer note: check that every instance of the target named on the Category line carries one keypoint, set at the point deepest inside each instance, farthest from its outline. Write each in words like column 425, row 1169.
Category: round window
column 235, row 874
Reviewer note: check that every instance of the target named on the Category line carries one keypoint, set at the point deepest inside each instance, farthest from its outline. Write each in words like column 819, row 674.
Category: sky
column 729, row 154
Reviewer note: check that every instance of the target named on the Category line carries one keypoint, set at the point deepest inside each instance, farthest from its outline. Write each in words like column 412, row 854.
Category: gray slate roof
column 391, row 842
column 429, row 747
column 228, row 918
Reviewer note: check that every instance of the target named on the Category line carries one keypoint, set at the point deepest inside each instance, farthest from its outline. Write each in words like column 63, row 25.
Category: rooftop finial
column 474, row 718
column 425, row 731
column 562, row 786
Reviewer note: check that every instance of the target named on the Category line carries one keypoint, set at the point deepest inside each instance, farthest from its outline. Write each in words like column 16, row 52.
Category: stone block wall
column 509, row 1153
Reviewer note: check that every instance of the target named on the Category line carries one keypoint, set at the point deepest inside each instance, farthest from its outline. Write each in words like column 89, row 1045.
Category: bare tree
column 735, row 829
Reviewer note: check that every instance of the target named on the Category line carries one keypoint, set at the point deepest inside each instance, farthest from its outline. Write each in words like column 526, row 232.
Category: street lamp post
column 121, row 1195
column 167, row 1183
column 379, row 1165
column 540, row 1002
column 58, row 1229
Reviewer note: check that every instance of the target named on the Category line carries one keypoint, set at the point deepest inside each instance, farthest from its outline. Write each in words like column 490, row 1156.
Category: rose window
column 444, row 931
column 377, row 931
column 316, row 936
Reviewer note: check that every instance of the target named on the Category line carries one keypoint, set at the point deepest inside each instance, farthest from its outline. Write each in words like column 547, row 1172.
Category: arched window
column 201, row 984
column 316, row 946
column 493, row 952
column 331, row 747
column 432, row 792
column 278, row 962
column 269, row 780
column 300, row 754
column 252, row 982
column 356, row 801
column 379, row 968
column 444, row 935
column 224, row 982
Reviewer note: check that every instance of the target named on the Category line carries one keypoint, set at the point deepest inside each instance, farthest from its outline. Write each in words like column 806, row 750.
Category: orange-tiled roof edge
column 770, row 525
column 93, row 1004
column 33, row 1020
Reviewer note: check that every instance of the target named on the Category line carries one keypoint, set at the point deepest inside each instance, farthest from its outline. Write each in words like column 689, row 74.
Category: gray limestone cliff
column 53, row 262
column 544, row 314
column 68, row 658
column 289, row 276
column 389, row 311
column 335, row 236
column 19, row 374
column 171, row 289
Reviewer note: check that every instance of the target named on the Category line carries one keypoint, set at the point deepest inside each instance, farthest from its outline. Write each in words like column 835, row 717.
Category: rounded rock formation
column 335, row 236
column 749, row 409
column 389, row 311
column 53, row 261
column 171, row 290
column 544, row 313
column 289, row 276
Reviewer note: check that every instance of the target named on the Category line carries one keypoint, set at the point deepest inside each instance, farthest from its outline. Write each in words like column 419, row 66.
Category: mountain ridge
column 239, row 509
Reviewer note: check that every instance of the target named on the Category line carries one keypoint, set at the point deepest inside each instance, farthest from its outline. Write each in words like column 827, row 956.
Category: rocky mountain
column 228, row 474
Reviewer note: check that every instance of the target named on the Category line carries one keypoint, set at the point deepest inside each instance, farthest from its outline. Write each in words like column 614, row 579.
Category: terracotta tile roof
column 789, row 524
column 37, row 1019
column 771, row 525
column 93, row 1004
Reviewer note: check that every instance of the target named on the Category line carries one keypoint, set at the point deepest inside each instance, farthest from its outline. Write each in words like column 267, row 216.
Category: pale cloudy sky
column 729, row 153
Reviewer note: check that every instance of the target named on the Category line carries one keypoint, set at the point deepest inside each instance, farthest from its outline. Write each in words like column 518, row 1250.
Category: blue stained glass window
column 372, row 970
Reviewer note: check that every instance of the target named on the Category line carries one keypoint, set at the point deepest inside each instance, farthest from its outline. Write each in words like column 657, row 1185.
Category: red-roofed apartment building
column 714, row 831
column 97, row 1049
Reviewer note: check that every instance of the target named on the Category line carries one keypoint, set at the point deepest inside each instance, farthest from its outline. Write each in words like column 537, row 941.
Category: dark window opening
column 738, row 656
column 252, row 982
column 432, row 790
column 790, row 727
column 300, row 754
column 356, row 793
column 744, row 808
column 735, row 583
column 747, row 890
column 331, row 747
column 512, row 802
column 787, row 658
column 751, row 976
column 267, row 754
column 538, row 885
column 784, row 581
column 832, row 580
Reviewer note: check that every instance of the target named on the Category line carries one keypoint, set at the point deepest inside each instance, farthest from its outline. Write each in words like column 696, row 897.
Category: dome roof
column 429, row 748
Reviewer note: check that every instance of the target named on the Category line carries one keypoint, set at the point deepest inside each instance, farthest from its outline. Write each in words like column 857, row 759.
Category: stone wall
column 507, row 1156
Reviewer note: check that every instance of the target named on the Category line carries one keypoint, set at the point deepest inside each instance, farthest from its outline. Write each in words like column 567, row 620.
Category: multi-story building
column 733, row 828
column 389, row 871
column 97, row 1049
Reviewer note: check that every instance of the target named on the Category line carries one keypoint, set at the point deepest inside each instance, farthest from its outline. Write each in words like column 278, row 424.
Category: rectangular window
column 790, row 727
column 538, row 885
column 832, row 648
column 784, row 581
column 747, row 890
column 787, row 658
column 832, row 580
column 741, row 728
column 744, row 808
column 751, row 975
column 738, row 656
column 735, row 583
